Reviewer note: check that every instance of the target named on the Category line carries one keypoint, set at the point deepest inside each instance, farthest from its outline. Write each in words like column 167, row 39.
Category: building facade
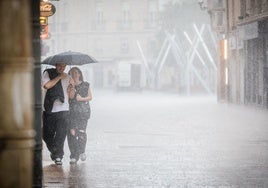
column 242, row 28
column 109, row 31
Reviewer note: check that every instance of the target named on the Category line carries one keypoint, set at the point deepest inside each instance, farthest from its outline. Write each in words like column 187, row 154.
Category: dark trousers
column 54, row 132
column 77, row 142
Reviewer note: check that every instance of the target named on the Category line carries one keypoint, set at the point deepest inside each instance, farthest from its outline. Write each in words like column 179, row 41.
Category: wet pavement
column 146, row 140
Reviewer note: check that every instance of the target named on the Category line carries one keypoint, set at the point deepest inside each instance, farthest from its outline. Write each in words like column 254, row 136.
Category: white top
column 58, row 105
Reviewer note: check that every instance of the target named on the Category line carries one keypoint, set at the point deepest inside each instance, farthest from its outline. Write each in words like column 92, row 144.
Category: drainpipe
column 16, row 114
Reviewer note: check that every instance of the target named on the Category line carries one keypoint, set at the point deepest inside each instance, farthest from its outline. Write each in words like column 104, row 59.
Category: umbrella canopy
column 70, row 58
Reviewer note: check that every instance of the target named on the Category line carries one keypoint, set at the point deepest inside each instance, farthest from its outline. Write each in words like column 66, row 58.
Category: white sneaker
column 83, row 156
column 73, row 161
column 58, row 161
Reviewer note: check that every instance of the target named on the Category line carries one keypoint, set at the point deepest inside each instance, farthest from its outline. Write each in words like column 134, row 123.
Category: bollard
column 16, row 113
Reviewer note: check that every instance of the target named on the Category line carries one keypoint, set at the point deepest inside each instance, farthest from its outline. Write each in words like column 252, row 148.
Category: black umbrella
column 70, row 58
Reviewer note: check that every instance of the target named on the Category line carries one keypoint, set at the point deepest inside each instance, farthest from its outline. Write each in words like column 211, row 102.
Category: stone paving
column 145, row 140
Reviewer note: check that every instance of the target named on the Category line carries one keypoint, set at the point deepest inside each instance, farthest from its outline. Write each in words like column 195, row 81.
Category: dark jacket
column 56, row 92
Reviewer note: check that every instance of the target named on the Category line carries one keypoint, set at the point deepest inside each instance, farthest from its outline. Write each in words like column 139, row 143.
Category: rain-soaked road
column 145, row 140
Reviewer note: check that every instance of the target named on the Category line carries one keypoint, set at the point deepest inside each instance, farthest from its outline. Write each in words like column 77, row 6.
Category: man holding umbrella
column 57, row 87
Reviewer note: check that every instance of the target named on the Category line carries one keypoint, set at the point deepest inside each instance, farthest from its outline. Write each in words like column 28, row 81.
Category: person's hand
column 63, row 75
column 78, row 97
column 70, row 88
column 71, row 81
column 72, row 132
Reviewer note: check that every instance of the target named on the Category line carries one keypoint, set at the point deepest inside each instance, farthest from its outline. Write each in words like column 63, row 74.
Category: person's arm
column 85, row 99
column 71, row 89
column 53, row 82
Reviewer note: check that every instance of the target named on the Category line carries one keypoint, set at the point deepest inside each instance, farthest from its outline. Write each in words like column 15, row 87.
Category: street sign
column 47, row 9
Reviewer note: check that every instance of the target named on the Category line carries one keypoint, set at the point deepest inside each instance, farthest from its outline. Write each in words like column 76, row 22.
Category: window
column 217, row 20
column 126, row 14
column 152, row 17
column 99, row 14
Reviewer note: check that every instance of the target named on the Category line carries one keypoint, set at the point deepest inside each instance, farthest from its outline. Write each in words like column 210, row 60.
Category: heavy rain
column 179, row 93
column 157, row 118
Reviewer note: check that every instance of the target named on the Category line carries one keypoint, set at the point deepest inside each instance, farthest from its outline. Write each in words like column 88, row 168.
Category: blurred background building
column 109, row 31
column 139, row 44
column 242, row 30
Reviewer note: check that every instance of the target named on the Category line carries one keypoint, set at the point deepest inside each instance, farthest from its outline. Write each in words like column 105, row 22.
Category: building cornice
column 254, row 18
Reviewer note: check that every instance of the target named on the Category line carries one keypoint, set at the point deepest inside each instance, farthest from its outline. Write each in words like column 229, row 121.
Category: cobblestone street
column 147, row 140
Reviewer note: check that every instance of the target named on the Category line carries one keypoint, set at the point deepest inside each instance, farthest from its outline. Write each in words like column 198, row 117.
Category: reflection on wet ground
column 71, row 176
column 166, row 141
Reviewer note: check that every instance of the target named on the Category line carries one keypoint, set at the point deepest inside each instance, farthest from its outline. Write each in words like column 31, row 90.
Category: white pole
column 205, row 47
